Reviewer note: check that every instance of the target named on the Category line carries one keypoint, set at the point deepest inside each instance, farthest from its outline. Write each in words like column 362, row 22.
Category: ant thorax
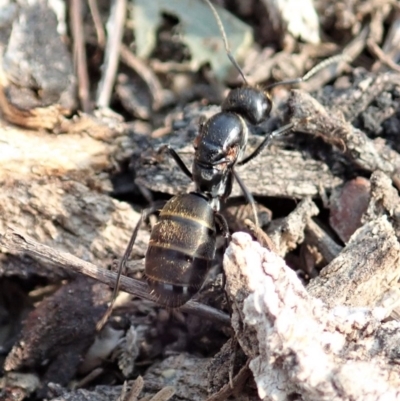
column 220, row 143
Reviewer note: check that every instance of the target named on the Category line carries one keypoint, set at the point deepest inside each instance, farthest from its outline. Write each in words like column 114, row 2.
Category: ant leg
column 121, row 265
column 248, row 196
column 223, row 225
column 264, row 143
column 177, row 158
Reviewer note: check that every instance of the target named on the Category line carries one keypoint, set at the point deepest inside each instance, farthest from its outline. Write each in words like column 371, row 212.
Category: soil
column 303, row 305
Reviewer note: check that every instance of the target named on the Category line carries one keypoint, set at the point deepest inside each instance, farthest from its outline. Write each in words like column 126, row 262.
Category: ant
column 182, row 244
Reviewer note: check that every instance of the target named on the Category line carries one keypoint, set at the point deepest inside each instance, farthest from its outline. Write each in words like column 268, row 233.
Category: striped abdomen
column 181, row 249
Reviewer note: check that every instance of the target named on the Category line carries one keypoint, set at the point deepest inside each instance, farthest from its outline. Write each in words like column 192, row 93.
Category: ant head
column 252, row 103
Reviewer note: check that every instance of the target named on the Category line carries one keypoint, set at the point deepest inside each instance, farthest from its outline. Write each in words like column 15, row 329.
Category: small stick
column 145, row 73
column 136, row 389
column 237, row 383
column 16, row 241
column 261, row 236
column 94, row 374
column 98, row 25
column 80, row 55
column 115, row 29
column 328, row 248
column 381, row 56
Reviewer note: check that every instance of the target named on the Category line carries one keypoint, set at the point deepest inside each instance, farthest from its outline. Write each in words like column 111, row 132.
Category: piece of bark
column 299, row 346
column 99, row 393
column 37, row 81
column 365, row 270
column 55, row 190
column 69, row 215
column 17, row 386
column 347, row 204
column 225, row 362
column 385, row 201
column 186, row 373
column 91, row 147
column 60, row 330
column 316, row 236
column 288, row 174
column 366, row 87
column 312, row 118
column 287, row 233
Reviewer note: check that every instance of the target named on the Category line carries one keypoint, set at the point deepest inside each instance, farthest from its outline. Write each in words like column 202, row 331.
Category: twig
column 391, row 45
column 94, row 374
column 98, row 25
column 325, row 244
column 80, row 55
column 115, row 29
column 16, row 241
column 381, row 56
column 230, row 388
column 261, row 236
column 136, row 389
column 145, row 73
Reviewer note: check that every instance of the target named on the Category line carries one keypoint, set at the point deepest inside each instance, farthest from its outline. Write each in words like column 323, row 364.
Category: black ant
column 183, row 242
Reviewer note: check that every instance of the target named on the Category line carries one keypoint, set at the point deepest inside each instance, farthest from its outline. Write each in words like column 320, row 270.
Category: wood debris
column 86, row 103
column 299, row 344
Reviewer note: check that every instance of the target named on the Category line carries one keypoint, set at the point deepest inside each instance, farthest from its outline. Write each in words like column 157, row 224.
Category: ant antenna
column 313, row 71
column 225, row 40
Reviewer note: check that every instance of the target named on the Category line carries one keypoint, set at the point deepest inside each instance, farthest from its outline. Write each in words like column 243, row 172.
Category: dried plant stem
column 115, row 28
column 16, row 241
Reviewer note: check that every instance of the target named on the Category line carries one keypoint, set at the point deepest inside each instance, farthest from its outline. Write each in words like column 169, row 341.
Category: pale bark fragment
column 366, row 269
column 300, row 346
column 55, row 189
column 287, row 233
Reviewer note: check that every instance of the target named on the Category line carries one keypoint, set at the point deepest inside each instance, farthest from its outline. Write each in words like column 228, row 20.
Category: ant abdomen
column 181, row 249
column 253, row 104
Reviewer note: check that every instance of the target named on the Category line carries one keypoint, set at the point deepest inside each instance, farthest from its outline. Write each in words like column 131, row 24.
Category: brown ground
column 79, row 161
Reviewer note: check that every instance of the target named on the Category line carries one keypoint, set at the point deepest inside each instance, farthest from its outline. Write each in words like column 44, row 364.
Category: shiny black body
column 181, row 249
column 222, row 140
column 183, row 242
